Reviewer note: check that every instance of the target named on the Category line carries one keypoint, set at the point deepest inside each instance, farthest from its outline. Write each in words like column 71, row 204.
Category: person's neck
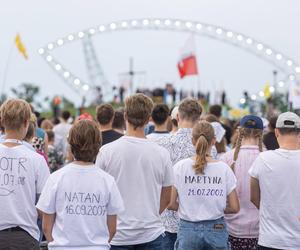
column 186, row 124
column 136, row 132
column 160, row 128
column 83, row 163
column 289, row 145
column 119, row 130
column 105, row 127
column 13, row 134
column 250, row 141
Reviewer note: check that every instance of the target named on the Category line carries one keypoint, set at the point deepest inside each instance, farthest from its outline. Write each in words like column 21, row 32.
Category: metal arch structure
column 285, row 64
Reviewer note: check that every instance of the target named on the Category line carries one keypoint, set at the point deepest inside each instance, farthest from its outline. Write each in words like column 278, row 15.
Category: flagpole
column 5, row 73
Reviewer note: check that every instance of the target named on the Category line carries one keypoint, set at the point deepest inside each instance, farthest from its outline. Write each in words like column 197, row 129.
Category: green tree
column 27, row 92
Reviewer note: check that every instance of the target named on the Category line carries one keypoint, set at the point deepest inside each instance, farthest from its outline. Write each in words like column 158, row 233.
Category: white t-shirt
column 61, row 132
column 23, row 174
column 156, row 135
column 203, row 197
column 81, row 197
column 141, row 168
column 278, row 173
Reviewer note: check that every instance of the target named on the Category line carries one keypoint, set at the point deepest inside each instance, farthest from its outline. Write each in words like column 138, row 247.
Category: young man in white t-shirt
column 144, row 175
column 80, row 202
column 275, row 185
column 23, row 174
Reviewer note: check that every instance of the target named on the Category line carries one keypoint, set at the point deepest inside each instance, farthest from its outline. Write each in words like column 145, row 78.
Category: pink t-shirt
column 245, row 223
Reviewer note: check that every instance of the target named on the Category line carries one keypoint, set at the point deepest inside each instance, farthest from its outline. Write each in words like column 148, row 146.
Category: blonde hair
column 246, row 133
column 203, row 134
column 47, row 125
column 14, row 113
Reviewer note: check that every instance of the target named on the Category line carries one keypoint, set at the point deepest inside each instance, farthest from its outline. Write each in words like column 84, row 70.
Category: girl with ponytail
column 204, row 191
column 243, row 226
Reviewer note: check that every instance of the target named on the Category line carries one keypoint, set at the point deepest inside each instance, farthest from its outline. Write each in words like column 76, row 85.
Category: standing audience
column 204, row 191
column 23, row 174
column 160, row 117
column 243, row 226
column 180, row 147
column 80, row 202
column 144, row 176
column 105, row 117
column 275, row 185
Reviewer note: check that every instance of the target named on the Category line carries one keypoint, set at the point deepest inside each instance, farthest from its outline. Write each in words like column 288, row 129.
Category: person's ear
column 125, row 116
column 194, row 141
column 213, row 141
column 277, row 133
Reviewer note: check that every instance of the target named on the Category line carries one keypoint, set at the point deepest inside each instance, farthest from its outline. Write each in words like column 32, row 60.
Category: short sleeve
column 47, row 200
column 42, row 175
column 177, row 174
column 168, row 179
column 254, row 170
column 115, row 204
column 226, row 158
column 100, row 160
column 230, row 180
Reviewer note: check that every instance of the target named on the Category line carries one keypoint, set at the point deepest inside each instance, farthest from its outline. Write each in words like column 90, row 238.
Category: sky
column 221, row 66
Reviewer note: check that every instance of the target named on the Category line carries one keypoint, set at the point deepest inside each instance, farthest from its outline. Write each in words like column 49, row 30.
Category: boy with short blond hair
column 143, row 173
column 23, row 174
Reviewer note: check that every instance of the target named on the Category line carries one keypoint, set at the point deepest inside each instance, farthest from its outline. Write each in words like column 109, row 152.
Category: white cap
column 219, row 131
column 288, row 120
column 174, row 113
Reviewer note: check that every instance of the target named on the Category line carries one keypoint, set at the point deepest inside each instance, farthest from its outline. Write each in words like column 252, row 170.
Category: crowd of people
column 147, row 177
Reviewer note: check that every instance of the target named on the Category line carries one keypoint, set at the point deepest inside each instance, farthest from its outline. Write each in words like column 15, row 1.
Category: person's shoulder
column 228, row 154
column 32, row 154
column 220, row 165
column 183, row 165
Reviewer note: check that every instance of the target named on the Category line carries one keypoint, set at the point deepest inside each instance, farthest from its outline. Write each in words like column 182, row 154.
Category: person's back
column 23, row 174
column 180, row 147
column 139, row 167
column 61, row 131
column 80, row 200
column 243, row 227
column 202, row 189
column 143, row 173
column 275, row 182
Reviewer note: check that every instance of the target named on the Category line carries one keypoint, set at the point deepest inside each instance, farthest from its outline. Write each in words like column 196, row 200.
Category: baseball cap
column 252, row 121
column 288, row 120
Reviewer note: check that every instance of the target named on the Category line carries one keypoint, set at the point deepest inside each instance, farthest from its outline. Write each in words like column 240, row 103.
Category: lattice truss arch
column 282, row 62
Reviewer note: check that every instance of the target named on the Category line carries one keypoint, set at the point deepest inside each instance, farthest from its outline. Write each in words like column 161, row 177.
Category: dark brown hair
column 105, row 113
column 85, row 140
column 138, row 109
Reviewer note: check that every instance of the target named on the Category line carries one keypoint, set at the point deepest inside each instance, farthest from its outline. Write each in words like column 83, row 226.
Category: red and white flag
column 187, row 64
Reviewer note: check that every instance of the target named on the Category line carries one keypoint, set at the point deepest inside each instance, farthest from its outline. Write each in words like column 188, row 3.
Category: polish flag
column 187, row 64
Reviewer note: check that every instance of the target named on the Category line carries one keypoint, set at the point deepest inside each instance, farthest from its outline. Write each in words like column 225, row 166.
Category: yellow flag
column 267, row 92
column 20, row 46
